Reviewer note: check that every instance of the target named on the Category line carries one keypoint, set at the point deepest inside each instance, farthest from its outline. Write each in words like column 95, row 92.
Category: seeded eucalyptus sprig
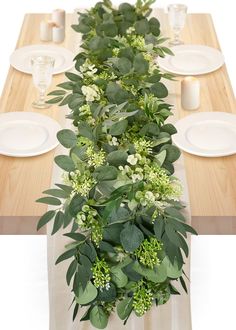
column 119, row 199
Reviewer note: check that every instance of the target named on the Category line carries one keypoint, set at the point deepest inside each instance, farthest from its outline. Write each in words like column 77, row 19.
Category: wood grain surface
column 211, row 182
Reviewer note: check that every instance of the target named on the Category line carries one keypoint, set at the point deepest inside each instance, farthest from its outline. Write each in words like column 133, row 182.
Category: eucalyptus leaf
column 118, row 128
column 131, row 237
column 118, row 277
column 87, row 295
column 65, row 162
column 117, row 158
column 124, row 308
column 98, row 317
column 67, row 138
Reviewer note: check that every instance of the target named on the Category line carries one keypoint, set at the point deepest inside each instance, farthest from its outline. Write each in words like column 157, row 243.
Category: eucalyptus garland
column 119, row 197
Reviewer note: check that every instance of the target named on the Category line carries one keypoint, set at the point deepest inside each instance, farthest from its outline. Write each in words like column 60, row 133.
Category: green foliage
column 119, row 200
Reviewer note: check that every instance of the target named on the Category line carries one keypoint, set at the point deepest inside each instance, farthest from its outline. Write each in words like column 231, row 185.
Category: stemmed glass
column 42, row 69
column 177, row 15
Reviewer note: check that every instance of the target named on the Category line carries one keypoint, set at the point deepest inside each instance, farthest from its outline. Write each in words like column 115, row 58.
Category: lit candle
column 59, row 17
column 45, row 31
column 58, row 34
column 190, row 93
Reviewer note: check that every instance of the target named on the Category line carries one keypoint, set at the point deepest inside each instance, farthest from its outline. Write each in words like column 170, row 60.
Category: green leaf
column 142, row 26
column 117, row 158
column 119, row 127
column 49, row 201
column 124, row 65
column 105, row 173
column 159, row 90
column 150, row 129
column 55, row 100
column 65, row 162
column 76, row 205
column 67, row 189
column 72, row 76
column 66, row 255
column 131, row 237
column 88, row 250
column 58, row 92
column 107, row 295
column 141, row 66
column 86, row 131
column 183, row 284
column 189, row 229
column 167, row 51
column 160, row 157
column 173, row 153
column 66, row 100
column 159, row 226
column 169, row 128
column 45, row 219
column 174, row 213
column 58, row 222
column 67, row 138
column 76, row 236
column 67, row 85
column 87, row 295
column 156, row 275
column 154, row 26
column 98, row 317
column 118, row 277
column 71, row 271
column 112, row 233
column 173, row 271
column 124, row 308
column 57, row 193
column 76, row 101
column 75, row 312
column 106, row 247
column 115, row 93
column 110, row 29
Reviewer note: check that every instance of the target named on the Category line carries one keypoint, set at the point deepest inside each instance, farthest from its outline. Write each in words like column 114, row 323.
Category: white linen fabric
column 175, row 315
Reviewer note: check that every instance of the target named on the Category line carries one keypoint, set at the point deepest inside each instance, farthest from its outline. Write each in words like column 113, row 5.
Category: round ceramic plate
column 26, row 134
column 21, row 58
column 192, row 60
column 207, row 134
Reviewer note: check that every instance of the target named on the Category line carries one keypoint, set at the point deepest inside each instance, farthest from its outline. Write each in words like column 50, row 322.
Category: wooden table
column 211, row 183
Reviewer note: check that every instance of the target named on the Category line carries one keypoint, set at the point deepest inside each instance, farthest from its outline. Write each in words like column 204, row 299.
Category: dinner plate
column 207, row 134
column 192, row 60
column 21, row 58
column 26, row 134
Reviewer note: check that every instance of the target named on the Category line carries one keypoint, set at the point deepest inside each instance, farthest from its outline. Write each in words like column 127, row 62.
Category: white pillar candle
column 45, row 31
column 190, row 93
column 59, row 17
column 58, row 34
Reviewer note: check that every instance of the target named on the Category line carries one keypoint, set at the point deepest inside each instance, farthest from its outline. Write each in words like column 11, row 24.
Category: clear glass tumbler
column 177, row 15
column 42, row 70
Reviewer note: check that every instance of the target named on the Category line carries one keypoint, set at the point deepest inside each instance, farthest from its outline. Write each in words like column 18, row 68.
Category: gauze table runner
column 175, row 315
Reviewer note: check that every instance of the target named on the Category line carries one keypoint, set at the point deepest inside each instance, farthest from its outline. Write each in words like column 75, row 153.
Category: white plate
column 21, row 58
column 26, row 134
column 192, row 60
column 207, row 134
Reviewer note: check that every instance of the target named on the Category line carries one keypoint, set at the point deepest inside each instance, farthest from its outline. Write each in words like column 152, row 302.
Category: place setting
column 27, row 134
column 188, row 59
column 205, row 134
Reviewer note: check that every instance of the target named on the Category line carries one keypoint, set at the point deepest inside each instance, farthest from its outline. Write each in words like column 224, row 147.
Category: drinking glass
column 177, row 15
column 42, row 69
